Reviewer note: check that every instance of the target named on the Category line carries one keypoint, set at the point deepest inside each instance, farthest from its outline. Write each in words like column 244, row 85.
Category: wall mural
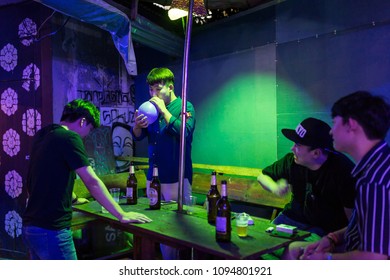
column 83, row 67
column 116, row 112
column 101, row 158
column 20, row 118
column 87, row 65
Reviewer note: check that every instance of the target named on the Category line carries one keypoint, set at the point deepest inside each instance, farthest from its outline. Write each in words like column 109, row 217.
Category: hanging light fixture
column 179, row 9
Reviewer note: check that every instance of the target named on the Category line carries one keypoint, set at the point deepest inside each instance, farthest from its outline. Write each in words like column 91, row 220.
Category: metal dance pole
column 184, row 107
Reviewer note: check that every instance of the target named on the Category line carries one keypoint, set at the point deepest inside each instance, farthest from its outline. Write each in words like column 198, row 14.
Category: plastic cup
column 242, row 224
column 115, row 192
column 191, row 204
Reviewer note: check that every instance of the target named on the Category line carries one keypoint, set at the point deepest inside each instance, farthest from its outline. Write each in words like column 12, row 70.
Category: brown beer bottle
column 131, row 186
column 223, row 221
column 212, row 198
column 155, row 191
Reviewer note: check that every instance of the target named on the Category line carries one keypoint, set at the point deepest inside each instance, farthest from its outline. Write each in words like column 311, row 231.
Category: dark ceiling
column 220, row 9
column 154, row 28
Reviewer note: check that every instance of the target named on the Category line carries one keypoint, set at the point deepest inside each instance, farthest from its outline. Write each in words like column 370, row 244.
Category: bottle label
column 221, row 224
column 129, row 192
column 153, row 196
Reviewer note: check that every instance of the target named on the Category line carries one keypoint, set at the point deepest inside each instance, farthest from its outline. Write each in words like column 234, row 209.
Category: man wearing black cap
column 319, row 178
column 361, row 122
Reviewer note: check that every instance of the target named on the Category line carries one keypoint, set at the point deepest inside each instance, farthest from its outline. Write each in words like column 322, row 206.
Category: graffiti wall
column 22, row 114
column 117, row 113
column 36, row 81
column 84, row 67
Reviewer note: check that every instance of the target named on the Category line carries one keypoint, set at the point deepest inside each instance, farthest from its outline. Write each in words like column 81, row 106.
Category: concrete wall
column 252, row 75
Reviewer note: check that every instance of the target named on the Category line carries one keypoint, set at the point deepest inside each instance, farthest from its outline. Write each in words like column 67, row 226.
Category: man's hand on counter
column 134, row 217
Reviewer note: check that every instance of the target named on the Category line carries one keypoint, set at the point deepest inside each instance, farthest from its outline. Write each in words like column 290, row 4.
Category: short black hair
column 160, row 75
column 371, row 112
column 80, row 108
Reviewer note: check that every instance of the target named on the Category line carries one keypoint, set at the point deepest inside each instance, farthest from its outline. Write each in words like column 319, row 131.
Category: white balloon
column 149, row 110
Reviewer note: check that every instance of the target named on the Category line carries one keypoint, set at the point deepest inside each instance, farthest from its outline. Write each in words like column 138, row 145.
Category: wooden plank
column 220, row 169
column 242, row 182
column 117, row 180
column 136, row 160
column 241, row 189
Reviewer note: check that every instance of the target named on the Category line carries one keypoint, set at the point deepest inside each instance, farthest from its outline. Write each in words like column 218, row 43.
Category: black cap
column 311, row 132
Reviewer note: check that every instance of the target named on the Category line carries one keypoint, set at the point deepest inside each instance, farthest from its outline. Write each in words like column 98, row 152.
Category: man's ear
column 352, row 124
column 317, row 152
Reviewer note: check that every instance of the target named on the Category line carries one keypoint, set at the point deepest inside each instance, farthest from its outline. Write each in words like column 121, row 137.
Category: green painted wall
column 251, row 76
column 236, row 117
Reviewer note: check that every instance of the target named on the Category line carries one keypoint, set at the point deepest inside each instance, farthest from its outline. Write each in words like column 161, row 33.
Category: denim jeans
column 45, row 244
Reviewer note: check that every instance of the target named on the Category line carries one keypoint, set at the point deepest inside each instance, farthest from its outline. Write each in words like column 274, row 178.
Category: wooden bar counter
column 190, row 231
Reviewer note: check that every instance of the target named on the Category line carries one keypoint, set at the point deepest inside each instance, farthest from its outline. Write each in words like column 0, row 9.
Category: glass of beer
column 242, row 224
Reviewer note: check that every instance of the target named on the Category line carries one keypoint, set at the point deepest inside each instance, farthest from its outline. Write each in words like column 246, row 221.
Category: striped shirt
column 369, row 226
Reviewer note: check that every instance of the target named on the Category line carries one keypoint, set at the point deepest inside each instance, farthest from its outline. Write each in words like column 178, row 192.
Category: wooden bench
column 244, row 190
column 242, row 186
column 242, row 183
column 117, row 180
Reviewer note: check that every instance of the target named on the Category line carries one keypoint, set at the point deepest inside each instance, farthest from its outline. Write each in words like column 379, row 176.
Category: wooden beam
column 117, row 180
column 220, row 169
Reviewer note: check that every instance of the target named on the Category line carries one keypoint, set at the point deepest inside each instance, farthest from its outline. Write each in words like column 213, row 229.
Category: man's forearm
column 266, row 182
column 100, row 192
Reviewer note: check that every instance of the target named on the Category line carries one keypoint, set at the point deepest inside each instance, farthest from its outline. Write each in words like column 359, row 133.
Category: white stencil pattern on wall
column 31, row 76
column 9, row 101
column 27, row 31
column 8, row 57
column 11, row 142
column 13, row 184
column 32, row 122
column 13, row 224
